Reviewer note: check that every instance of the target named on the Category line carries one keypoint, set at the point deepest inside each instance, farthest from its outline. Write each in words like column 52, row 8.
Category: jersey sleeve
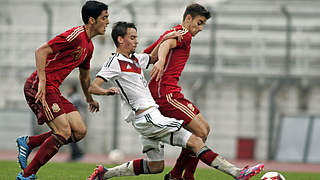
column 110, row 69
column 144, row 60
column 86, row 63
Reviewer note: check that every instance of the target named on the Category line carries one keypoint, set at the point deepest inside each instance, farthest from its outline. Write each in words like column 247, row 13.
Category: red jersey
column 174, row 65
column 71, row 49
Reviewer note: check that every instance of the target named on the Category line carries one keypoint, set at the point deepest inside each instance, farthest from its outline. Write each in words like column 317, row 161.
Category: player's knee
column 195, row 143
column 66, row 133
column 156, row 167
column 206, row 130
column 80, row 134
column 206, row 133
column 203, row 133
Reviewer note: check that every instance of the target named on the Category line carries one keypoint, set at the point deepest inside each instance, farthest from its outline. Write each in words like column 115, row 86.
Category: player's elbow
column 39, row 51
column 44, row 49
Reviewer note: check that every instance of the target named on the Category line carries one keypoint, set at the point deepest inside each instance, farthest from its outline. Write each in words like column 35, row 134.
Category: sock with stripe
column 140, row 166
column 35, row 141
column 213, row 159
column 47, row 150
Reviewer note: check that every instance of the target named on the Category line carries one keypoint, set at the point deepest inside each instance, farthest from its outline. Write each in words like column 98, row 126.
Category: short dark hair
column 92, row 9
column 120, row 29
column 196, row 9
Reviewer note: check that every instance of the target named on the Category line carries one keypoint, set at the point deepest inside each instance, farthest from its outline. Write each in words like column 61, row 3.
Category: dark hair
column 120, row 29
column 196, row 10
column 92, row 9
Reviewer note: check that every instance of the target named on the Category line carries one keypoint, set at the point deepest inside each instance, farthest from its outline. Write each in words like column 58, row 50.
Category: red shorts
column 58, row 104
column 174, row 105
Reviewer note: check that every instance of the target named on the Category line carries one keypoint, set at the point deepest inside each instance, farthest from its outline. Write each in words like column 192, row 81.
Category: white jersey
column 128, row 76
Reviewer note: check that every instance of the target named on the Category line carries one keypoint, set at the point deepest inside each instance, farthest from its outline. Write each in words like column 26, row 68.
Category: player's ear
column 91, row 20
column 120, row 40
column 188, row 18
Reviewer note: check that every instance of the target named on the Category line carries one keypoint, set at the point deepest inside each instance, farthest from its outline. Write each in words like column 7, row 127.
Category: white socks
column 223, row 165
column 125, row 169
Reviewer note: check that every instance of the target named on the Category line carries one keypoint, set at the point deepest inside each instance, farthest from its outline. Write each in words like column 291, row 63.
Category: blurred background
column 254, row 73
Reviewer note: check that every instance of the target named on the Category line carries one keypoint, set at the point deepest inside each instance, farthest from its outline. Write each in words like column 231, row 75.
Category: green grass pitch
column 80, row 171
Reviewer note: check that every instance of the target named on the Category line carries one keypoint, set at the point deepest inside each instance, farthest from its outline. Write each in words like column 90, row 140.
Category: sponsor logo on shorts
column 55, row 107
column 191, row 106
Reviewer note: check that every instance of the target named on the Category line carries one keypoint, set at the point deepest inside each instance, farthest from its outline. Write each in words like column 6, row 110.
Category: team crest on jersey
column 77, row 53
column 130, row 67
column 191, row 106
column 55, row 107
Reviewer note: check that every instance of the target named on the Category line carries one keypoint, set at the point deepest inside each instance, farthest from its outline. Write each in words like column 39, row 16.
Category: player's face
column 102, row 22
column 131, row 40
column 196, row 24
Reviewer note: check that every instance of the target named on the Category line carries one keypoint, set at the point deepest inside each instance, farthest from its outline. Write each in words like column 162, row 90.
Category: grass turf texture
column 78, row 171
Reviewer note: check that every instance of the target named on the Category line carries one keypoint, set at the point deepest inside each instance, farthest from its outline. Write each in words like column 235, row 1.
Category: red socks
column 191, row 167
column 47, row 150
column 35, row 141
column 181, row 163
column 140, row 166
column 188, row 161
column 206, row 155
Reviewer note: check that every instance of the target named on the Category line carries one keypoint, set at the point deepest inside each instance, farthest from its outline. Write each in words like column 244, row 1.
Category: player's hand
column 41, row 96
column 173, row 35
column 93, row 106
column 157, row 70
column 112, row 91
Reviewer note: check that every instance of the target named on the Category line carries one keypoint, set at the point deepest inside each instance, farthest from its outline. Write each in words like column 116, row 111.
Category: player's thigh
column 178, row 138
column 199, row 126
column 75, row 120
column 77, row 124
column 60, row 125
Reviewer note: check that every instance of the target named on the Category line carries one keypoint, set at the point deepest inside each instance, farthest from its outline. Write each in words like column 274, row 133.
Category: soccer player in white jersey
column 124, row 69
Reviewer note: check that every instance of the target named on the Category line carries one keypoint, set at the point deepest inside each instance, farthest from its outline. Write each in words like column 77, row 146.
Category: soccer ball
column 116, row 156
column 272, row 176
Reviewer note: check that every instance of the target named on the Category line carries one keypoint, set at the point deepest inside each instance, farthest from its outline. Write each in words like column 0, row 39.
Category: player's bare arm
column 96, row 89
column 171, row 35
column 164, row 49
column 41, row 55
column 84, row 76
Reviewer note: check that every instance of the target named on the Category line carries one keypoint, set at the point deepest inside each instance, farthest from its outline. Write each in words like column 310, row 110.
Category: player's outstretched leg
column 215, row 160
column 98, row 173
column 23, row 151
column 248, row 172
column 131, row 168
column 212, row 159
column 20, row 177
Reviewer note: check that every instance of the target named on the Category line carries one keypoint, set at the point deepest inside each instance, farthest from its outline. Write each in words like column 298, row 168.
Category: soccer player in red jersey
column 165, row 74
column 54, row 62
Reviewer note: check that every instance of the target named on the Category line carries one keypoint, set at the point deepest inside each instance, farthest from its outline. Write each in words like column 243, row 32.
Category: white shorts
column 155, row 128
